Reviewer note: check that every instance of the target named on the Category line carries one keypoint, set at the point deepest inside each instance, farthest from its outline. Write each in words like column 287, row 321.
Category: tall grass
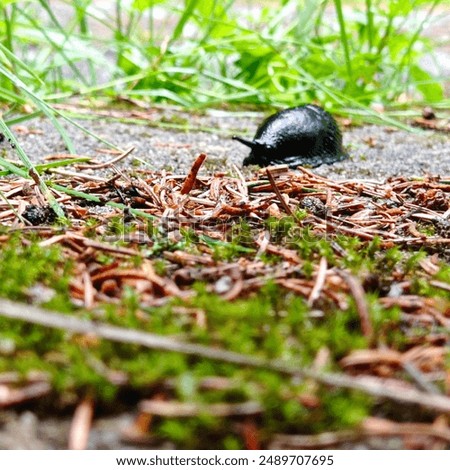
column 214, row 53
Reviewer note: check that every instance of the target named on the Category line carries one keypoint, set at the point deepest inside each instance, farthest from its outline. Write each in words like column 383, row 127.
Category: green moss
column 24, row 264
column 344, row 409
column 270, row 323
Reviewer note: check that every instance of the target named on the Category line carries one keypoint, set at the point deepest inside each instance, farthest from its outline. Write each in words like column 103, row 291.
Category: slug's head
column 258, row 154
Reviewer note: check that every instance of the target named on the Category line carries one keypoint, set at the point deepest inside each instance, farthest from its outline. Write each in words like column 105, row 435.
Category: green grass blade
column 41, row 104
column 187, row 13
column 11, row 97
column 90, row 197
column 12, row 169
column 16, row 60
column 86, row 131
column 59, row 163
column 12, row 208
column 57, row 47
column 22, row 118
column 31, row 169
column 344, row 38
column 370, row 29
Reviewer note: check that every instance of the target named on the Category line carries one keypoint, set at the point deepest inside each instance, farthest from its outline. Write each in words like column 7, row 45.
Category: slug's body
column 305, row 135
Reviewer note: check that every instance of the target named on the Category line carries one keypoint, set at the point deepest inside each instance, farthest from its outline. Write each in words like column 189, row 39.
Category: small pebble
column 223, row 285
column 428, row 113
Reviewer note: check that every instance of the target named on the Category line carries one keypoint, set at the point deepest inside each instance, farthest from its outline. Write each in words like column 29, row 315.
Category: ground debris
column 182, row 220
column 160, row 234
column 414, row 436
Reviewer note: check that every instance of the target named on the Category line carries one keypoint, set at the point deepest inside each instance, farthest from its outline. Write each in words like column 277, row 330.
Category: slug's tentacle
column 248, row 143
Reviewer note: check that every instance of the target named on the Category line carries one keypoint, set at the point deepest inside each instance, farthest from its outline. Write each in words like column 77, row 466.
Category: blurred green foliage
column 208, row 53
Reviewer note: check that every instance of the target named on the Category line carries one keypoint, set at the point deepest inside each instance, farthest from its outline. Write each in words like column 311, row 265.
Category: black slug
column 305, row 135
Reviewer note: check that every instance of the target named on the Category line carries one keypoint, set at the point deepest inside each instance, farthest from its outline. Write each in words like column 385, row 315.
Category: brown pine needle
column 357, row 292
column 191, row 177
column 81, row 424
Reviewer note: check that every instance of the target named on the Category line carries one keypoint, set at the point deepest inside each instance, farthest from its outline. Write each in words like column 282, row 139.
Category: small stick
column 419, row 378
column 78, row 175
column 358, row 294
column 89, row 291
column 11, row 396
column 190, row 179
column 98, row 166
column 173, row 409
column 320, row 280
column 242, row 179
column 370, row 385
column 278, row 193
column 370, row 427
column 81, row 424
column 440, row 284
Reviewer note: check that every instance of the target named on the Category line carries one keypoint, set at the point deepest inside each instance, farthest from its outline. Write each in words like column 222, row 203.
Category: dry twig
column 369, row 385
column 81, row 424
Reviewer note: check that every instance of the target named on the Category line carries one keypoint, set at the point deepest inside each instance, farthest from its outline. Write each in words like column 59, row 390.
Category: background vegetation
column 216, row 53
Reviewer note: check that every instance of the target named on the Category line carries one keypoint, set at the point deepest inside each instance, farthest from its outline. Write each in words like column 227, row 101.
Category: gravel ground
column 375, row 152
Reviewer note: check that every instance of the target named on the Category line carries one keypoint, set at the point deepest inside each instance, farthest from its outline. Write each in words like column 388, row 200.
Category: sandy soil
column 375, row 152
